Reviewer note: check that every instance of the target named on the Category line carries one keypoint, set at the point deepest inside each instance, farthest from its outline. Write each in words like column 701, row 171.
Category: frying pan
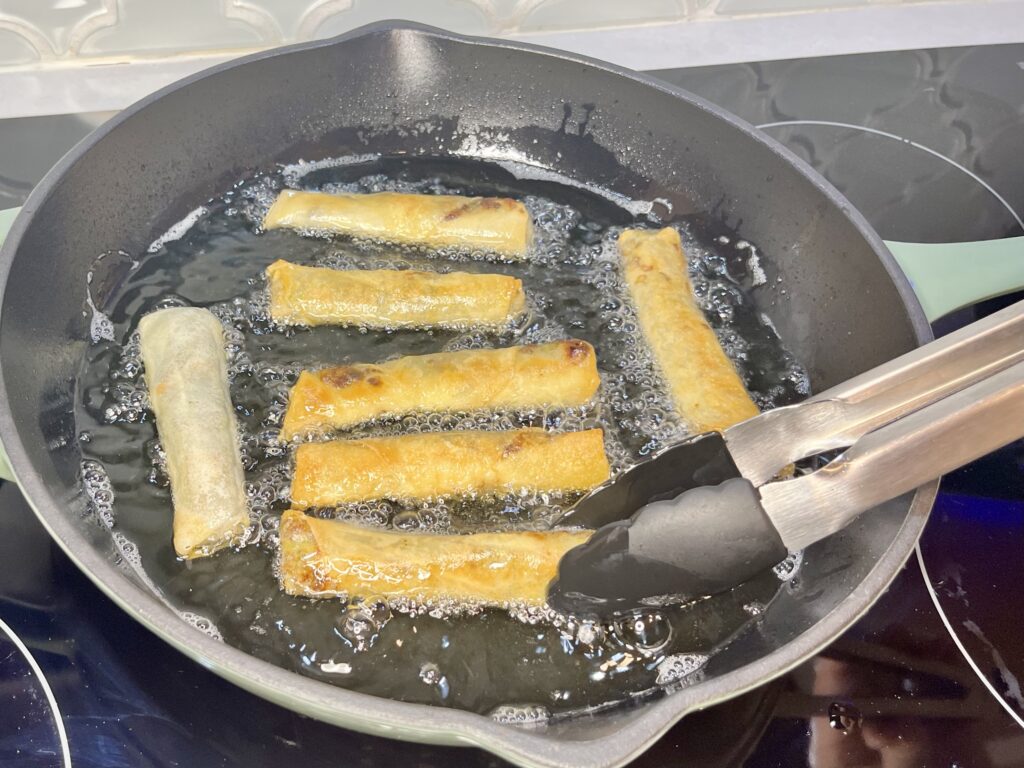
column 833, row 291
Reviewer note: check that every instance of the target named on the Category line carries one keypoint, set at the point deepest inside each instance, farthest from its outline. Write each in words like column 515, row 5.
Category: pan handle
column 948, row 276
column 6, row 473
column 6, row 219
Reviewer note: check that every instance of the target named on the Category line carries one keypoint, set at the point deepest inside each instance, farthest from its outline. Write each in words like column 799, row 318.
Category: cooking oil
column 523, row 665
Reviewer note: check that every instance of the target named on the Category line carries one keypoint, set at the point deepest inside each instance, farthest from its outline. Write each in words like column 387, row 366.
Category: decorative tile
column 470, row 17
column 286, row 20
column 15, row 49
column 586, row 14
column 182, row 25
column 33, row 30
column 47, row 30
column 56, row 28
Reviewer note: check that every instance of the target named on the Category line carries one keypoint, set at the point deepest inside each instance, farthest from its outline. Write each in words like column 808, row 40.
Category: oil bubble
column 99, row 492
column 679, row 667
column 203, row 624
column 521, row 714
column 361, row 623
column 431, row 675
column 648, row 632
column 788, row 568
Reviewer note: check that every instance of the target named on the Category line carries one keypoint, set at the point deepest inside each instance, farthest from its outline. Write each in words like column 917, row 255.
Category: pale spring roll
column 705, row 388
column 493, row 224
column 391, row 298
column 322, row 558
column 562, row 373
column 187, row 376
column 429, row 465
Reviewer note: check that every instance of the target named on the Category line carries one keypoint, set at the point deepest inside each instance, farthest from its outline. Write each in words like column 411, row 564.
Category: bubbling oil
column 522, row 665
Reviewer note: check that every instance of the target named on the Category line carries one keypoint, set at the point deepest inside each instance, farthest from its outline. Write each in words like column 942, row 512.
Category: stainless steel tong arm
column 899, row 457
column 839, row 417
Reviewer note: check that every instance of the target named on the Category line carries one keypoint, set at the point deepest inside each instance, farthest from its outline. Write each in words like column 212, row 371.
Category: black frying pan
column 845, row 306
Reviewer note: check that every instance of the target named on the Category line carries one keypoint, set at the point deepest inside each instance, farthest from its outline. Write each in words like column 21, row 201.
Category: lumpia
column 706, row 390
column 562, row 373
column 391, row 298
column 322, row 558
column 186, row 373
column 494, row 224
column 427, row 465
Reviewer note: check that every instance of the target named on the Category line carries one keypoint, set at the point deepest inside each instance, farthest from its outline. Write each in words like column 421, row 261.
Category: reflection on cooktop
column 31, row 728
column 927, row 144
column 971, row 551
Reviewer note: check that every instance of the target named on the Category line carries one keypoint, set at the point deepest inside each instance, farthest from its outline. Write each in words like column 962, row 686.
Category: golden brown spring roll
column 562, row 373
column 330, row 558
column 421, row 466
column 391, row 298
column 706, row 389
column 187, row 376
column 494, row 224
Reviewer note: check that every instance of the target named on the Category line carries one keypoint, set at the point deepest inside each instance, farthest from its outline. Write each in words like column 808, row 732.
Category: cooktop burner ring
column 1014, row 215
column 40, row 679
column 1001, row 668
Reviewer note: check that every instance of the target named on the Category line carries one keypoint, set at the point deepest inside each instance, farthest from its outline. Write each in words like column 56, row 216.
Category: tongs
column 705, row 515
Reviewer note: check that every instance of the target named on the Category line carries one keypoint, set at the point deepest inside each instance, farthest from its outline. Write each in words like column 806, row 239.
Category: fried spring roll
column 420, row 466
column 322, row 558
column 391, row 298
column 706, row 389
column 494, row 224
column 187, row 376
column 562, row 373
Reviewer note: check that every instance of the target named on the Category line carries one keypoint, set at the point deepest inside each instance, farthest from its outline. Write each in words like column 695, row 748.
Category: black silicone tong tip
column 700, row 460
column 695, row 528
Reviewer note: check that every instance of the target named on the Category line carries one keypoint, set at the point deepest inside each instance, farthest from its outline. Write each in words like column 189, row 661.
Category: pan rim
column 428, row 723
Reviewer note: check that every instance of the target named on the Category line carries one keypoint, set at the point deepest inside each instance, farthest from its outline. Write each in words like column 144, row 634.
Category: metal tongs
column 708, row 514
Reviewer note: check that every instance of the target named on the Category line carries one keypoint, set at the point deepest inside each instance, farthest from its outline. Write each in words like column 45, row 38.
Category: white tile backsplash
column 56, row 28
column 71, row 30
column 574, row 14
column 471, row 17
column 105, row 54
column 146, row 26
column 15, row 50
column 743, row 7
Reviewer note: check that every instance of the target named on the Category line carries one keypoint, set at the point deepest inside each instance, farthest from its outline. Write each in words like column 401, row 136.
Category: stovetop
column 930, row 146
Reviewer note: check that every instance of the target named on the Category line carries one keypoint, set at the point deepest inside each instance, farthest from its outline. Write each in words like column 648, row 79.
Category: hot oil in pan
column 519, row 665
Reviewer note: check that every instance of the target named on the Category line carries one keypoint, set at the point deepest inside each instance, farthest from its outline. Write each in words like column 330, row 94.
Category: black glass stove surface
column 930, row 146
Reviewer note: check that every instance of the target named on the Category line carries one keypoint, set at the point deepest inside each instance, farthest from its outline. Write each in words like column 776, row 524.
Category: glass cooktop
column 930, row 146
